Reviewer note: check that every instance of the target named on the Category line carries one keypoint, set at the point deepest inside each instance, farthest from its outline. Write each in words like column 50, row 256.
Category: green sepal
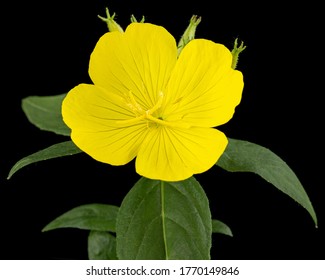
column 101, row 246
column 45, row 113
column 164, row 220
column 66, row 148
column 244, row 156
column 99, row 217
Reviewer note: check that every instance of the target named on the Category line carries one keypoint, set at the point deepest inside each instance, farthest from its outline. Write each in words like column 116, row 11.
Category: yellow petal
column 93, row 114
column 139, row 60
column 203, row 89
column 174, row 154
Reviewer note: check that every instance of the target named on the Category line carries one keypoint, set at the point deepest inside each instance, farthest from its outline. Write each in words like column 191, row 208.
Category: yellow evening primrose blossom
column 147, row 103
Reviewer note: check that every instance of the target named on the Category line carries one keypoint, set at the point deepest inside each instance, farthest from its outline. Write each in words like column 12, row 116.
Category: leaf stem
column 162, row 195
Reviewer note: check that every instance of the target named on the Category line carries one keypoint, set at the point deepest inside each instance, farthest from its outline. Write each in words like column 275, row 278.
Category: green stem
column 162, row 192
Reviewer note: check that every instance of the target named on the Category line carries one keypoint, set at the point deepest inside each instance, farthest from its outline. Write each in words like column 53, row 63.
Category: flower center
column 141, row 114
column 138, row 110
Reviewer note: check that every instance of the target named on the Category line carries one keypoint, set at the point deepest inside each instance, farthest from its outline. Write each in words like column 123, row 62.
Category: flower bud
column 111, row 23
column 189, row 33
column 133, row 19
column 235, row 53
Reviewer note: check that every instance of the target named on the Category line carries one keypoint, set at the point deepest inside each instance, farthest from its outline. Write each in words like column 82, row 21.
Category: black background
column 45, row 50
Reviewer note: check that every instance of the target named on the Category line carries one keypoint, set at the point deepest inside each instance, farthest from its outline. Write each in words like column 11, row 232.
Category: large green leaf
column 164, row 220
column 101, row 246
column 244, row 156
column 66, row 148
column 100, row 217
column 45, row 113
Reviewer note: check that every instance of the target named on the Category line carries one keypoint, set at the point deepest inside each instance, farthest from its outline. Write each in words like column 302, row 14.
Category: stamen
column 137, row 109
column 157, row 105
column 134, row 103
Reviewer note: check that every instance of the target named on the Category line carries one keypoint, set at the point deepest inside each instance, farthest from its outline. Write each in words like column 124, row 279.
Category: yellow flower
column 147, row 103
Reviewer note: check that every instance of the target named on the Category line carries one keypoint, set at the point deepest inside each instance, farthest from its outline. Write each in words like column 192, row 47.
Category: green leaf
column 99, row 217
column 66, row 148
column 164, row 220
column 220, row 227
column 101, row 246
column 244, row 156
column 45, row 113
